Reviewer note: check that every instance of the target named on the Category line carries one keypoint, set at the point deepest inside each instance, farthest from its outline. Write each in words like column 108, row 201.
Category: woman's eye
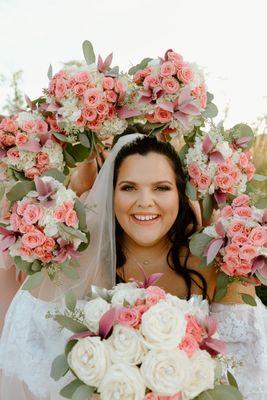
column 127, row 188
column 162, row 188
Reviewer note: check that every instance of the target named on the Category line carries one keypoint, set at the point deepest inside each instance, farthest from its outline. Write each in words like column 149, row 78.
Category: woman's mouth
column 145, row 218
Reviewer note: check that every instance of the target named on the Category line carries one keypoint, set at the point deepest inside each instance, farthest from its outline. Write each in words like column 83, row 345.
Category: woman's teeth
column 145, row 217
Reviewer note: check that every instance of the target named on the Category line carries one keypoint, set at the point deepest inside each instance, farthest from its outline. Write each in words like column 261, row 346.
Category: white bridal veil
column 29, row 341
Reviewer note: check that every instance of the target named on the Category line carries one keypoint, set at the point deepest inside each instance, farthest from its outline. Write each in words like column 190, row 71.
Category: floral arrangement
column 169, row 95
column 237, row 243
column 45, row 230
column 26, row 146
column 84, row 100
column 136, row 341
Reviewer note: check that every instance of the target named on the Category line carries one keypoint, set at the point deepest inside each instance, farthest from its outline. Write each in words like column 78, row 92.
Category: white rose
column 89, row 359
column 224, row 149
column 210, row 231
column 126, row 345
column 202, row 374
column 163, row 326
column 166, row 372
column 93, row 312
column 122, row 382
column 126, row 292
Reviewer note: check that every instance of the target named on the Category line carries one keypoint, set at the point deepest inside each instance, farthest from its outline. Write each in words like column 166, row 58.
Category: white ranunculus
column 163, row 326
column 51, row 230
column 211, row 231
column 122, row 382
column 93, row 312
column 89, row 359
column 224, row 149
column 126, row 292
column 126, row 345
column 166, row 372
column 202, row 374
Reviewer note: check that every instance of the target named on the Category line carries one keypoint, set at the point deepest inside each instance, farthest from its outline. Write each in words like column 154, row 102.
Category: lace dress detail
column 244, row 329
column 29, row 343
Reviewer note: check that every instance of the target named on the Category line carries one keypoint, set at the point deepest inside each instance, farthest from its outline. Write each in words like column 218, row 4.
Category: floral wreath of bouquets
column 169, row 96
column 46, row 229
column 27, row 147
column 236, row 243
column 136, row 341
column 219, row 166
column 82, row 103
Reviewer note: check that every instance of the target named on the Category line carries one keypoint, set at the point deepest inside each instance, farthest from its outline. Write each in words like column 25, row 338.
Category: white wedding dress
column 29, row 348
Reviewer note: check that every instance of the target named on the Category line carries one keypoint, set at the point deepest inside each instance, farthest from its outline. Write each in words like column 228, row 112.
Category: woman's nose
column 145, row 199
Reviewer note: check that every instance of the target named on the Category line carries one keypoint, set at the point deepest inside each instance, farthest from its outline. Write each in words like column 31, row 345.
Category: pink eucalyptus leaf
column 213, row 346
column 31, row 145
column 216, row 156
column 6, row 232
column 190, row 109
column 108, row 61
column 219, row 228
column 207, row 145
column 42, row 187
column 45, row 138
column 28, row 101
column 43, row 107
column 2, row 153
column 211, row 325
column 106, row 322
column 126, row 112
column 6, row 242
column 213, row 249
column 153, row 279
column 182, row 118
column 100, row 64
column 145, row 100
column 167, row 106
column 82, row 335
column 185, row 96
column 53, row 107
column 220, row 197
column 243, row 141
column 166, row 54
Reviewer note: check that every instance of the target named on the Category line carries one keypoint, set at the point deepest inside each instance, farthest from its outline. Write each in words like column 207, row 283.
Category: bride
column 138, row 213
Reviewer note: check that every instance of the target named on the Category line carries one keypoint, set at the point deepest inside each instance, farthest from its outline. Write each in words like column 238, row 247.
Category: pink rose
column 21, row 206
column 8, row 125
column 167, row 69
column 194, row 171
column 92, row 97
column 154, row 294
column 203, row 100
column 234, row 228
column 194, row 328
column 33, row 239
column 71, row 83
column 8, row 139
column 162, row 115
column 42, row 159
column 67, row 205
column 49, row 244
column 41, row 127
column 151, row 396
column 232, row 262
column 32, row 214
column 71, row 218
column 13, row 155
column 243, row 160
column 258, row 236
column 151, row 82
column 103, row 109
column 224, row 168
column 239, row 239
column 59, row 214
column 47, row 257
column 95, row 125
column 141, row 309
column 185, row 74
column 244, row 212
column 227, row 269
column 224, row 182
column 232, row 250
column 244, row 268
column 28, row 126
column 32, row 172
column 242, row 200
column 176, row 58
column 247, row 252
column 170, row 85
column 129, row 316
column 82, row 77
column 15, row 222
column 39, row 252
column 111, row 96
column 25, row 251
column 81, row 121
column 21, row 138
column 189, row 344
column 226, row 212
column 108, row 83
column 111, row 111
column 119, row 87
column 89, row 113
column 150, row 117
column 250, row 170
column 203, row 181
column 61, row 88
column 79, row 89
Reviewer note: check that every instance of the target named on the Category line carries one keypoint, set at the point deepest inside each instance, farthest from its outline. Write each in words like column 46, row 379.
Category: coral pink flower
column 33, row 239
column 61, row 88
column 239, row 239
column 39, row 252
column 32, row 214
column 167, row 69
column 79, row 89
column 235, row 227
column 232, row 250
column 154, row 294
column 258, row 236
column 242, row 200
column 203, row 100
column 247, row 252
column 15, row 222
column 8, row 139
column 103, row 109
column 244, row 212
column 243, row 268
column 92, row 97
column 250, row 170
column 150, row 118
column 13, row 155
column 42, row 159
column 49, row 244
column 176, row 58
column 129, row 316
column 232, row 262
column 189, row 344
column 185, row 74
column 162, row 115
column 111, row 96
column 9, row 125
column 228, row 269
column 224, row 168
column 29, row 126
column 119, row 87
column 194, row 328
column 82, row 77
column 151, row 82
column 67, row 205
column 194, row 171
column 89, row 113
column 59, row 214
column 224, row 182
column 170, row 85
column 108, row 83
column 71, row 218
column 47, row 257
column 41, row 127
column 243, row 160
column 21, row 206
column 21, row 138
column 226, row 212
column 32, row 172
column 203, row 181
column 25, row 251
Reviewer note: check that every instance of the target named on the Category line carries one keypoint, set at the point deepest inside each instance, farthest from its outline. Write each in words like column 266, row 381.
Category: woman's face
column 146, row 199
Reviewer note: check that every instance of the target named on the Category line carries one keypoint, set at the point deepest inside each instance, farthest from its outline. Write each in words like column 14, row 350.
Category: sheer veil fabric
column 29, row 341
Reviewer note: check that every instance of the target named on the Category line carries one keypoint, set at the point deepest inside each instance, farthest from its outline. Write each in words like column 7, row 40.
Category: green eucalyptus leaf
column 259, row 178
column 207, row 206
column 70, row 161
column 68, row 390
column 19, row 190
column 191, row 191
column 2, row 191
column 80, row 152
column 22, row 265
column 231, row 379
column 83, row 392
column 222, row 280
column 84, row 246
column 70, row 271
column 34, row 280
column 59, row 367
column 50, row 72
column 84, row 140
column 70, row 301
column 88, row 52
column 141, row 65
column 248, row 299
column 70, row 324
column 56, row 174
column 69, row 346
column 183, row 152
column 210, row 111
column 36, row 266
column 80, row 210
column 242, row 130
column 220, row 293
column 221, row 392
column 210, row 97
column 261, row 203
column 72, row 232
column 198, row 243
column 114, row 71
column 19, row 176
column 61, row 137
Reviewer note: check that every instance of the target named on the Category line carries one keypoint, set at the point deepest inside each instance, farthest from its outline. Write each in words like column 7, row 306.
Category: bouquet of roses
column 83, row 101
column 237, row 243
column 136, row 341
column 46, row 229
column 219, row 164
column 169, row 96
column 26, row 146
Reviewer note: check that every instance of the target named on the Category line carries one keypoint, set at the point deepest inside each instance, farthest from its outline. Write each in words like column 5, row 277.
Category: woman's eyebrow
column 153, row 183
